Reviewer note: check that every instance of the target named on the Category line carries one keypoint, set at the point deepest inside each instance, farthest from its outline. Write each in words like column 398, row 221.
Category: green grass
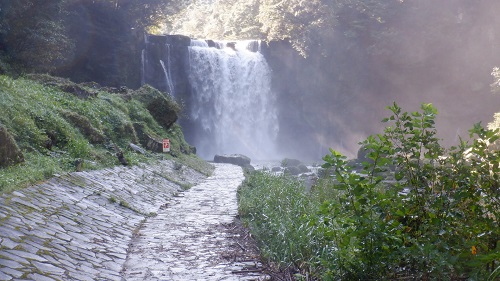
column 52, row 128
column 277, row 210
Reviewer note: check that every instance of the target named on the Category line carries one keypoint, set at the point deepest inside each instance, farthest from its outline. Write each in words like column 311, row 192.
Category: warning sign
column 166, row 145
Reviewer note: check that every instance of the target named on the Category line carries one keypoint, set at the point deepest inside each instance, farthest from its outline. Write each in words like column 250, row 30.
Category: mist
column 428, row 52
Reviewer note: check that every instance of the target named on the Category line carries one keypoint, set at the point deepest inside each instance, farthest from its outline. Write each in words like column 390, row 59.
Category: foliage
column 37, row 117
column 34, row 35
column 309, row 25
column 85, row 40
column 414, row 209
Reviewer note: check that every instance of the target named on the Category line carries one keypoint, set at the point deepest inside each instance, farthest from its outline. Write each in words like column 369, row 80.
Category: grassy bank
column 415, row 211
column 58, row 132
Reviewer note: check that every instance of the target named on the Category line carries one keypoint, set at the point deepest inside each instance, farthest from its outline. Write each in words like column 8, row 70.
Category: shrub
column 414, row 210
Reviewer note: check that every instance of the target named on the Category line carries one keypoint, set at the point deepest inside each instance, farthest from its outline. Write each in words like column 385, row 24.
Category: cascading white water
column 232, row 100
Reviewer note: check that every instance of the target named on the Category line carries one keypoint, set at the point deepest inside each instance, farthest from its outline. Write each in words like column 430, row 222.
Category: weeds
column 55, row 130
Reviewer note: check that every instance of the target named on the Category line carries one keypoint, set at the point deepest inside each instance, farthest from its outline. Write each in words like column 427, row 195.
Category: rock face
column 155, row 52
column 9, row 152
column 236, row 159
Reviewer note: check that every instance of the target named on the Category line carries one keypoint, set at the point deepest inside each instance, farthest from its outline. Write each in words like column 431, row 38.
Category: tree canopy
column 49, row 35
column 307, row 24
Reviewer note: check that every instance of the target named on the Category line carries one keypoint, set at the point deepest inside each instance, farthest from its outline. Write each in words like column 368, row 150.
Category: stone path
column 80, row 226
column 188, row 240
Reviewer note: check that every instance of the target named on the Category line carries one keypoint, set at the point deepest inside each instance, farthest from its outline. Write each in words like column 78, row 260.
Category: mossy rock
column 164, row 109
column 83, row 124
column 10, row 153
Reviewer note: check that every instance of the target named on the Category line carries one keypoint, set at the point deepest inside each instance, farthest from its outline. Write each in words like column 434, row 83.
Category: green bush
column 415, row 210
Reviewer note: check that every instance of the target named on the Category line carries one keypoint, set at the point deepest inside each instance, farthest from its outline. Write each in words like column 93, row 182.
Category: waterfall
column 232, row 103
column 143, row 67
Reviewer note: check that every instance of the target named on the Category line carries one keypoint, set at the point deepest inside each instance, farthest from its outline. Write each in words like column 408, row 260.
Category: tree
column 309, row 25
column 33, row 34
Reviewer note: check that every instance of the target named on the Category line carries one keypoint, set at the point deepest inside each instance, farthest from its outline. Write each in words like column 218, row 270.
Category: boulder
column 148, row 141
column 363, row 154
column 290, row 162
column 137, row 148
column 293, row 170
column 236, row 159
column 164, row 109
column 10, row 153
column 303, row 168
column 276, row 169
column 153, row 144
column 294, row 167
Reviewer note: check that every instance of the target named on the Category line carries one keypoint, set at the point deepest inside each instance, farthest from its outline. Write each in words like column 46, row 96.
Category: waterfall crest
column 232, row 102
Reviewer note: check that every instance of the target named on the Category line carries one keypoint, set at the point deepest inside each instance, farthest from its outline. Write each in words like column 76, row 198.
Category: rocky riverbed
column 127, row 223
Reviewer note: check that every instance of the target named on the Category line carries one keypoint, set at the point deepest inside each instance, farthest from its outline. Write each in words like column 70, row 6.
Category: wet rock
column 303, row 168
column 276, row 169
column 137, row 148
column 10, row 153
column 294, row 167
column 287, row 162
column 293, row 170
column 236, row 159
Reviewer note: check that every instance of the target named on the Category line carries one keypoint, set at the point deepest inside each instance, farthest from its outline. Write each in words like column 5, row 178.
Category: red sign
column 166, row 145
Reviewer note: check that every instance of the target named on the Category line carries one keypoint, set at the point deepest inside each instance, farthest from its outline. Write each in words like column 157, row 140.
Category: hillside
column 51, row 125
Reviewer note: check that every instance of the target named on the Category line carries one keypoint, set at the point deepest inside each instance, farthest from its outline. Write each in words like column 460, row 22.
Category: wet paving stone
column 67, row 227
column 96, row 226
column 187, row 240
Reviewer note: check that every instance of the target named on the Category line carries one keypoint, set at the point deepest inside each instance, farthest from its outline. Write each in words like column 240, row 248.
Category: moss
column 85, row 126
column 59, row 132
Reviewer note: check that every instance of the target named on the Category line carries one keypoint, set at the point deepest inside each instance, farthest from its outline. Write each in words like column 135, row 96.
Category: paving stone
column 7, row 243
column 12, row 272
column 68, row 227
column 5, row 277
column 25, row 202
column 10, row 264
column 26, row 255
column 48, row 268
column 38, row 277
column 10, row 233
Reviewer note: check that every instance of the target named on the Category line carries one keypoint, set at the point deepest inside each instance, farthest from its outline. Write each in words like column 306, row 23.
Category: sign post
column 166, row 145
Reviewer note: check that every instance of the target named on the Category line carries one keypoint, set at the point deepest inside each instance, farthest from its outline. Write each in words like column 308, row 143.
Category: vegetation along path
column 122, row 223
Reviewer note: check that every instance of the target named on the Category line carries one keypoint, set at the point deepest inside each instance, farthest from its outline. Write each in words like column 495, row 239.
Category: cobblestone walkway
column 188, row 239
column 122, row 224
